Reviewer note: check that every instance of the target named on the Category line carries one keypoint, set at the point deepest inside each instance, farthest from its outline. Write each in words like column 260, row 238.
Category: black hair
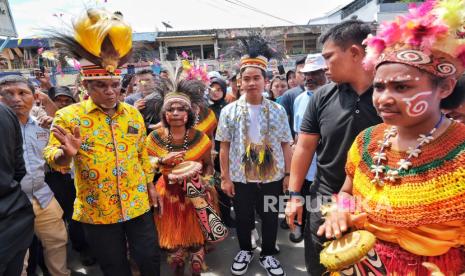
column 145, row 71
column 288, row 74
column 281, row 78
column 6, row 80
column 263, row 71
column 347, row 33
column 191, row 117
column 457, row 97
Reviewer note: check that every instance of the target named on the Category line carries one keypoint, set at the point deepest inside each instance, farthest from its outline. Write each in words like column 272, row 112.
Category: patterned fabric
column 112, row 167
column 178, row 225
column 229, row 130
column 207, row 122
column 156, row 145
column 424, row 211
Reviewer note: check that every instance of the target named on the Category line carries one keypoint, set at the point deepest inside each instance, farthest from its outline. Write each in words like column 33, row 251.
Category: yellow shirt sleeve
column 142, row 150
column 53, row 146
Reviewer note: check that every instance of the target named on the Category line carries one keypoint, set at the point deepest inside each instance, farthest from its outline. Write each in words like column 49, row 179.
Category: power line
column 249, row 7
column 215, row 6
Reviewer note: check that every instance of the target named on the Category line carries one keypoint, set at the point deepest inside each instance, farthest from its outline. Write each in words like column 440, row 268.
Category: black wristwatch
column 294, row 193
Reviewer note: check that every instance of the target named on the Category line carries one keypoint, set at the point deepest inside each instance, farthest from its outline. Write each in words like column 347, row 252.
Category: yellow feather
column 93, row 27
column 261, row 156
column 121, row 38
column 248, row 151
column 86, row 34
column 186, row 65
column 452, row 12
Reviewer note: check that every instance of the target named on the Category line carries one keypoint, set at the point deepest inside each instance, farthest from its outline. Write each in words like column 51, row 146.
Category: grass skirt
column 401, row 262
column 178, row 225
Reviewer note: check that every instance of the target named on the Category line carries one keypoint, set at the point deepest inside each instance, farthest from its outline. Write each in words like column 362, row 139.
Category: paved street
column 219, row 261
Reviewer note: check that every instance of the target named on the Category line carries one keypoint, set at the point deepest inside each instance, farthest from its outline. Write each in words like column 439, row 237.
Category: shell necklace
column 404, row 164
column 169, row 141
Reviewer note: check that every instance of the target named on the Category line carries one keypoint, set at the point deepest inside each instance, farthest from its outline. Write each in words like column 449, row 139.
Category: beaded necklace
column 404, row 164
column 169, row 141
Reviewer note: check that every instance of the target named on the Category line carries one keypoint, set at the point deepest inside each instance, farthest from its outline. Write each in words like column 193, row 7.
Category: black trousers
column 313, row 243
column 109, row 244
column 16, row 231
column 305, row 192
column 250, row 197
column 15, row 266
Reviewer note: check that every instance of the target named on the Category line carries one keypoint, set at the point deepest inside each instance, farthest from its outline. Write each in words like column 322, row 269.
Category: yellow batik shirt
column 111, row 168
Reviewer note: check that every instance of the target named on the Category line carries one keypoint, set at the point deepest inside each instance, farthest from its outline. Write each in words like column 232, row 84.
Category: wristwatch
column 294, row 193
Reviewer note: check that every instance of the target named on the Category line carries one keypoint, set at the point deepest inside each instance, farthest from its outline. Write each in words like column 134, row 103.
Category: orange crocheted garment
column 424, row 210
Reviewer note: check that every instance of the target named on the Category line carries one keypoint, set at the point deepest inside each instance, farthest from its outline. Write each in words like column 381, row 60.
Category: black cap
column 60, row 91
column 300, row 60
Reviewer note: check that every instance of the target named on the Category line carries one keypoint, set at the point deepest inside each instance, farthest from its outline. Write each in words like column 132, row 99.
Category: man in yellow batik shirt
column 105, row 140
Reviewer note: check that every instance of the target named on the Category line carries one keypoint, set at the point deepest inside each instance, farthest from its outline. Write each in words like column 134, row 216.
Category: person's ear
column 85, row 83
column 446, row 87
column 357, row 52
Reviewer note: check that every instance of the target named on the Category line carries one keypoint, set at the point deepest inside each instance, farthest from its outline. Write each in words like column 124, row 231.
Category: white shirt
column 254, row 129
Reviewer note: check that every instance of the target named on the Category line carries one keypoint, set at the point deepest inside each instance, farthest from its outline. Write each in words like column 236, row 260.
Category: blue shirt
column 131, row 99
column 33, row 183
column 300, row 106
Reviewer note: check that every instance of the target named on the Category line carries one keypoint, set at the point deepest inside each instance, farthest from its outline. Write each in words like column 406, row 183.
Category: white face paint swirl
column 417, row 105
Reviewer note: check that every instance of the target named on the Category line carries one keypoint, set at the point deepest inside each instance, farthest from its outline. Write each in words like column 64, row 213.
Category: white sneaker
column 272, row 266
column 241, row 262
column 254, row 237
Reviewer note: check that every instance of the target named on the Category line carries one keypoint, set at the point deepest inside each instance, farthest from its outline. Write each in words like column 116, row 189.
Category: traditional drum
column 352, row 254
column 187, row 174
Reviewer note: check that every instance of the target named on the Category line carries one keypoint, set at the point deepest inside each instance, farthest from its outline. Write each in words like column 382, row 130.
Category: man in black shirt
column 334, row 116
column 16, row 215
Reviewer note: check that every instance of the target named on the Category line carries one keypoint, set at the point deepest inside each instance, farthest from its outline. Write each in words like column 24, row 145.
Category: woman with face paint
column 406, row 177
column 178, row 228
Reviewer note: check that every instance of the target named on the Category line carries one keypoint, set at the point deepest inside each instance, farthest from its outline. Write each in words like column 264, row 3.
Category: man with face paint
column 409, row 171
column 105, row 140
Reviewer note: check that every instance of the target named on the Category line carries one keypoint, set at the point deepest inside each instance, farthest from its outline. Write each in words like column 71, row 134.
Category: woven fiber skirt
column 401, row 262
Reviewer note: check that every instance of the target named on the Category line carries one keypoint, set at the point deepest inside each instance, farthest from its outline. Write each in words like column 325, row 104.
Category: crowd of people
column 367, row 135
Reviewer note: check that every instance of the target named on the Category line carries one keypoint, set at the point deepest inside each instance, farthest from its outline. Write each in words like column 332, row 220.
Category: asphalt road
column 219, row 260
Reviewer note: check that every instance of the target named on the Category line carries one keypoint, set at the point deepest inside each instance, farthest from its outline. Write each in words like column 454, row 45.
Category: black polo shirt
column 338, row 114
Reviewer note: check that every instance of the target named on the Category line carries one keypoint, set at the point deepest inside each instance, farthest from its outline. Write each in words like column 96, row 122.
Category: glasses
column 178, row 109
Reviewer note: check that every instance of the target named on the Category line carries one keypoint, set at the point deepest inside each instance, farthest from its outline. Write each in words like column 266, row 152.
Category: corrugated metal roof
column 147, row 36
column 27, row 43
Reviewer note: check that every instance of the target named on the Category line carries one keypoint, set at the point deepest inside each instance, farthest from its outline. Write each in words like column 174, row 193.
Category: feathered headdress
column 101, row 41
column 255, row 51
column 177, row 84
column 430, row 37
